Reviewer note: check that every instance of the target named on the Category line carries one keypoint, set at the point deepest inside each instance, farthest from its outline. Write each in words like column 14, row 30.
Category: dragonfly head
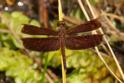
column 61, row 25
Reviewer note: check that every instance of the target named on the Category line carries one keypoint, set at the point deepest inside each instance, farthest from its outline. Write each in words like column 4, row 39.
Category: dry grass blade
column 4, row 31
column 60, row 19
column 113, row 55
column 97, row 50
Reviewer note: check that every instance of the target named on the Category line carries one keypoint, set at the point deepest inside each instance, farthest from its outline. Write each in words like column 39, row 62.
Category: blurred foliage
column 87, row 66
column 18, row 66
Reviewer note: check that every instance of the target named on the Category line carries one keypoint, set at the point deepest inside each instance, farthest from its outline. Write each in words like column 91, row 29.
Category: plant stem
column 43, row 12
column 60, row 10
column 62, row 58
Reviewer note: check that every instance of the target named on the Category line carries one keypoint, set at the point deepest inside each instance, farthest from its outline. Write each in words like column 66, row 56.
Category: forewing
column 33, row 30
column 41, row 44
column 83, row 42
column 88, row 26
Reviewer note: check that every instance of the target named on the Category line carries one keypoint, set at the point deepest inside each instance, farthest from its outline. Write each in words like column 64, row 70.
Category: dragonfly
column 62, row 38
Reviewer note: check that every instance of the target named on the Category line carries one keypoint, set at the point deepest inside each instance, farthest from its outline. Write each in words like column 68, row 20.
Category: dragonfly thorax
column 62, row 31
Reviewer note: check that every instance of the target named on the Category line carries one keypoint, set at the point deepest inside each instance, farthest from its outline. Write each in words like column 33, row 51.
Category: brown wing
column 41, row 44
column 33, row 30
column 88, row 26
column 83, row 42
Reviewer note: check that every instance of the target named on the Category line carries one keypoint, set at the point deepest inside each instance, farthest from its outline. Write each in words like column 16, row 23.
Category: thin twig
column 4, row 31
column 112, row 29
column 48, row 78
column 121, row 18
column 62, row 58
column 43, row 12
column 16, row 36
column 72, row 20
column 52, row 74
